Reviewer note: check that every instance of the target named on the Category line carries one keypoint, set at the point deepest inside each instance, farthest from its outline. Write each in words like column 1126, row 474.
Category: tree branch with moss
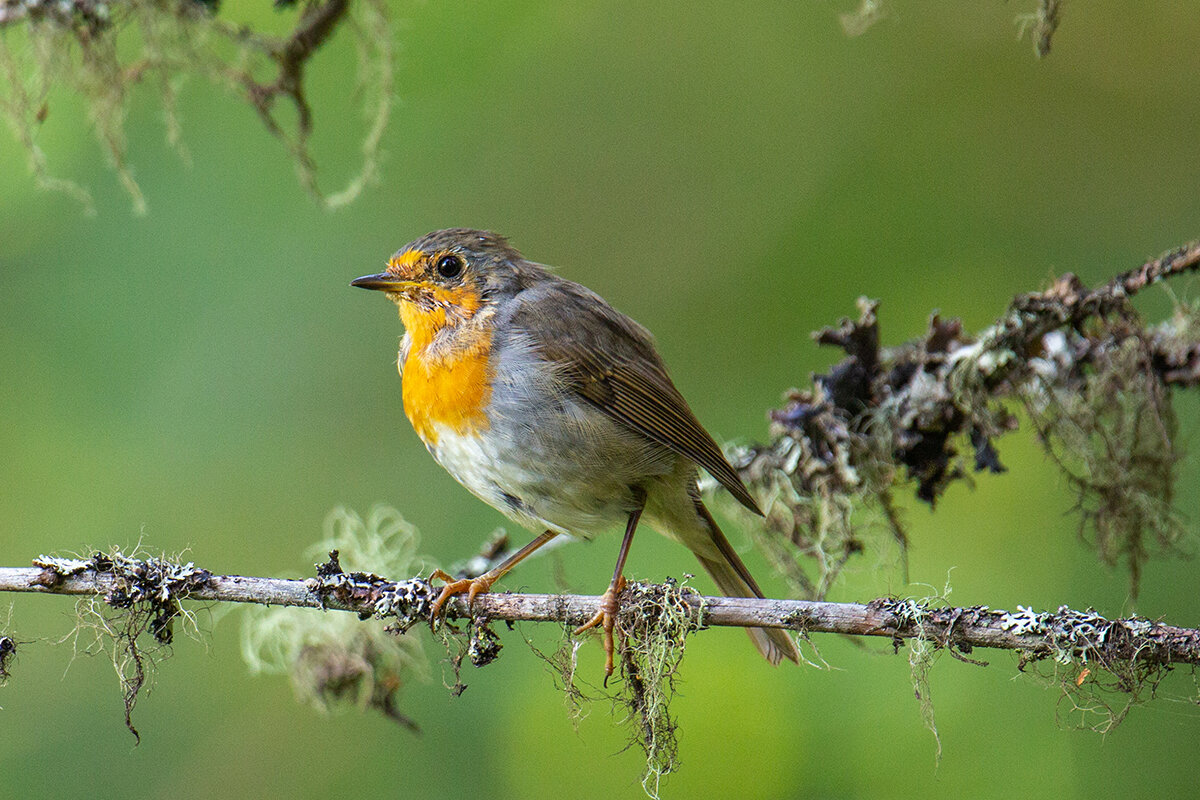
column 1093, row 379
column 100, row 49
column 1064, row 634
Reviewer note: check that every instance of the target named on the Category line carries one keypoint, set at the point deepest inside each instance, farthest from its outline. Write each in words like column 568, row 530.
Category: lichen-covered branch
column 1093, row 379
column 1064, row 634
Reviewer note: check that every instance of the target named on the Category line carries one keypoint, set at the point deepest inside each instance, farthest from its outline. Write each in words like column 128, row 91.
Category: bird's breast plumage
column 501, row 421
column 444, row 388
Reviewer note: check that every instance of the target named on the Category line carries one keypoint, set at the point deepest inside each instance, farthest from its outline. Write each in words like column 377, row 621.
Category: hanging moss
column 101, row 51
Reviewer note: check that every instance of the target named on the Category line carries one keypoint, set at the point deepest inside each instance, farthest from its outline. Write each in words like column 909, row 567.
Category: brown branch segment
column 316, row 24
column 1064, row 634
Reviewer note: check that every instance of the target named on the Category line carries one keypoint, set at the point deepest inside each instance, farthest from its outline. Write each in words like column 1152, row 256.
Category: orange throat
column 448, row 389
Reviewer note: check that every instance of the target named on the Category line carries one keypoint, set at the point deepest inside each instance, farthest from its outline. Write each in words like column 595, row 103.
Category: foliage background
column 733, row 177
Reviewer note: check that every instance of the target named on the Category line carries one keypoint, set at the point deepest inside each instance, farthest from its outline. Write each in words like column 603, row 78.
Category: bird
column 556, row 409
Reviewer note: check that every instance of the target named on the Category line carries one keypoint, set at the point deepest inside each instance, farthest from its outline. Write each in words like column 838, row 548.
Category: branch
column 1064, row 634
column 1094, row 379
column 292, row 54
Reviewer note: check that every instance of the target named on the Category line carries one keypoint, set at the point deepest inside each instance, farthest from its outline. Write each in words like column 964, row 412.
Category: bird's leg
column 606, row 617
column 482, row 584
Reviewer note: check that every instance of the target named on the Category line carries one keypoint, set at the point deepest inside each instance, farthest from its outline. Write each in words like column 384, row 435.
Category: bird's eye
column 449, row 266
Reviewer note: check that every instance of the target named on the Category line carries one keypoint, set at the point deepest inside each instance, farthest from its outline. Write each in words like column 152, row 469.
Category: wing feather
column 614, row 366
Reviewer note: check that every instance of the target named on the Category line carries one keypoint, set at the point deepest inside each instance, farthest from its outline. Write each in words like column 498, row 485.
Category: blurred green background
column 733, row 176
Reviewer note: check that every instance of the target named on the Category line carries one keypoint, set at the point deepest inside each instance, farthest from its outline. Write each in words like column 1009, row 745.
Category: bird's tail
column 734, row 580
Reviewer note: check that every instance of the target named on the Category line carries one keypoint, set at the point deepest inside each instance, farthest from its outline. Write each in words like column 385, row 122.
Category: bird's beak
column 383, row 282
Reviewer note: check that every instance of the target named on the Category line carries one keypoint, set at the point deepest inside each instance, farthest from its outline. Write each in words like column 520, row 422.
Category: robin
column 556, row 409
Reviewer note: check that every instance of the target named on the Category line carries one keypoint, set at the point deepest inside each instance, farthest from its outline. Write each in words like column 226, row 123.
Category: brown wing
column 610, row 360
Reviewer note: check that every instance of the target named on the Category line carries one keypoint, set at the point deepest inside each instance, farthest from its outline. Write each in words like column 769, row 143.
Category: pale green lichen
column 653, row 625
column 337, row 659
column 100, row 52
column 923, row 649
column 1110, row 426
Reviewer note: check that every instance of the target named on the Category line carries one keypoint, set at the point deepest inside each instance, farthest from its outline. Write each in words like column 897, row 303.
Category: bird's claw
column 606, row 618
column 471, row 586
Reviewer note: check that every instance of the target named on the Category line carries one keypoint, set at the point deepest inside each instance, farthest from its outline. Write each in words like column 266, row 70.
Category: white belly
column 538, row 487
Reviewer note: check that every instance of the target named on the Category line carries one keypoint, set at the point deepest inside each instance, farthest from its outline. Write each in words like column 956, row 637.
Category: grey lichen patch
column 1103, row 667
column 144, row 597
column 484, row 645
column 335, row 660
column 406, row 602
column 1071, row 635
column 100, row 51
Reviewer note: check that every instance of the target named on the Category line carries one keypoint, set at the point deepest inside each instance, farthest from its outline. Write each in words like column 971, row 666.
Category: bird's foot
column 606, row 618
column 470, row 586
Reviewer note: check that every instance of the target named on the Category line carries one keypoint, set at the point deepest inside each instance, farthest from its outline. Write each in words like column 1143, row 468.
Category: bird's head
column 447, row 276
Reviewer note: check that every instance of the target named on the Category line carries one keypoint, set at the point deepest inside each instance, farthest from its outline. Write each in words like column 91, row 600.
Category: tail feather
column 734, row 580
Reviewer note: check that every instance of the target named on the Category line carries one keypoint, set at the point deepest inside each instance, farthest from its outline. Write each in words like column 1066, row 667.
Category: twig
column 316, row 24
column 1080, row 635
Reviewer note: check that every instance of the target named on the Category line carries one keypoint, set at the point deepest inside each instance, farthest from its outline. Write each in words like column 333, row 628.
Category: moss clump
column 145, row 597
column 653, row 626
column 1093, row 377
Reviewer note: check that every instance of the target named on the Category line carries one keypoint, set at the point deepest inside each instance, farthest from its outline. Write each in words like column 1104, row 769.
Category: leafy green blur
column 733, row 176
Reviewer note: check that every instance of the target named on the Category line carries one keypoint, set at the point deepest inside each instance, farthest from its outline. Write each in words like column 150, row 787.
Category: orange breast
column 450, row 389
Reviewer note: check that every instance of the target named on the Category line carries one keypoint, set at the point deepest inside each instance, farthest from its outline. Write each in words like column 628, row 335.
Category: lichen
column 101, row 50
column 1040, row 25
column 1095, row 662
column 652, row 626
column 1093, row 378
column 917, row 618
column 651, row 632
column 563, row 664
column 335, row 660
column 144, row 597
column 1102, row 667
column 1105, row 417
